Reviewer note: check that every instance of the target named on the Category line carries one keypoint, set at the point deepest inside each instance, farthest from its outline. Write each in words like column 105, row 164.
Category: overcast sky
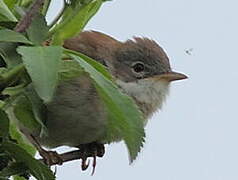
column 194, row 137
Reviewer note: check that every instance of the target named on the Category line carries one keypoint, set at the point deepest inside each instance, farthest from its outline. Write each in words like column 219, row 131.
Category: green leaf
column 10, row 3
column 2, row 178
column 11, row 76
column 7, row 24
column 37, row 32
column 4, row 124
column 2, row 103
column 19, row 178
column 14, row 90
column 24, row 114
column 38, row 108
column 9, row 54
column 124, row 116
column 26, row 3
column 13, row 169
column 69, row 69
column 6, row 13
column 99, row 67
column 7, row 35
column 42, row 64
column 25, row 144
column 75, row 23
column 36, row 168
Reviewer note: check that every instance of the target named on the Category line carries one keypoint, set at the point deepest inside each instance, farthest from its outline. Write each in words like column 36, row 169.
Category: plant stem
column 46, row 7
column 25, row 22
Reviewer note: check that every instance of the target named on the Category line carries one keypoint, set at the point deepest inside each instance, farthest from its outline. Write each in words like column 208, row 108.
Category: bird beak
column 170, row 76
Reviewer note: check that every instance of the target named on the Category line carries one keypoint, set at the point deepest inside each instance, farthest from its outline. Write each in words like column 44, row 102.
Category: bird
column 76, row 116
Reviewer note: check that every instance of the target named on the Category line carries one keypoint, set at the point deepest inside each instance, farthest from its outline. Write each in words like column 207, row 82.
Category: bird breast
column 148, row 94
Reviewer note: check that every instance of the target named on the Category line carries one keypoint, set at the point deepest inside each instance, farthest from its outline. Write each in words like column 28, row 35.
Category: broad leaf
column 42, row 64
column 7, row 35
column 24, row 114
column 37, row 32
column 13, row 169
column 13, row 90
column 69, row 70
column 6, row 13
column 36, row 168
column 15, row 134
column 18, row 178
column 124, row 116
column 2, row 103
column 7, row 24
column 10, row 3
column 11, row 76
column 76, row 21
column 9, row 54
column 2, row 178
column 99, row 67
column 4, row 124
column 38, row 108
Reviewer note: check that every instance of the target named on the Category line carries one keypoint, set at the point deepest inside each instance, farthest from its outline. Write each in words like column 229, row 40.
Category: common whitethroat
column 76, row 117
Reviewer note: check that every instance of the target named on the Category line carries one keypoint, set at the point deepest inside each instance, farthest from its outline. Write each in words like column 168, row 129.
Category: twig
column 70, row 156
column 25, row 22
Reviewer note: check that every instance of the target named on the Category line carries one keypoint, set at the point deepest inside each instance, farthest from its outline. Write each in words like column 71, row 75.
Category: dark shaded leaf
column 36, row 168
column 13, row 91
column 9, row 54
column 16, row 135
column 11, row 76
column 38, row 108
column 8, row 24
column 4, row 124
column 2, row 178
column 13, row 169
column 24, row 114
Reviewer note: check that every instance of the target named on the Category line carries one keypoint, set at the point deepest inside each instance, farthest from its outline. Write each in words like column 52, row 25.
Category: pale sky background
column 195, row 136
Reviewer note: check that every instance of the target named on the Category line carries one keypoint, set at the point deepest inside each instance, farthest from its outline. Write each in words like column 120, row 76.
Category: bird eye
column 138, row 67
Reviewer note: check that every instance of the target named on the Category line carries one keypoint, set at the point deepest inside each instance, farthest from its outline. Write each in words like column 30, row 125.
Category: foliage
column 30, row 70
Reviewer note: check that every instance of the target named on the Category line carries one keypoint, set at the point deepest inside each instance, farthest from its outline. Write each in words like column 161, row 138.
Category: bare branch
column 25, row 22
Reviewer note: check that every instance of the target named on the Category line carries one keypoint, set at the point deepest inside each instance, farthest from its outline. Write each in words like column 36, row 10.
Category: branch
column 72, row 155
column 25, row 22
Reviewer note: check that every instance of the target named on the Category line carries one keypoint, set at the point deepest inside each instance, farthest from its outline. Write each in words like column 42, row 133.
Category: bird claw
column 51, row 157
column 84, row 165
column 91, row 150
column 94, row 163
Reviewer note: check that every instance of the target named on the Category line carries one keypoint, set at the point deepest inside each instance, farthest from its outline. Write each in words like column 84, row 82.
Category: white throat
column 149, row 94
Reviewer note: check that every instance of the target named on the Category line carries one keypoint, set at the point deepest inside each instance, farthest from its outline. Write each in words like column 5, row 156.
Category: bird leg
column 92, row 149
column 50, row 157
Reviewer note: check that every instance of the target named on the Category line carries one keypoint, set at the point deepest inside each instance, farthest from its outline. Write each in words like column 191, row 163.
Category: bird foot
column 91, row 150
column 51, row 157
